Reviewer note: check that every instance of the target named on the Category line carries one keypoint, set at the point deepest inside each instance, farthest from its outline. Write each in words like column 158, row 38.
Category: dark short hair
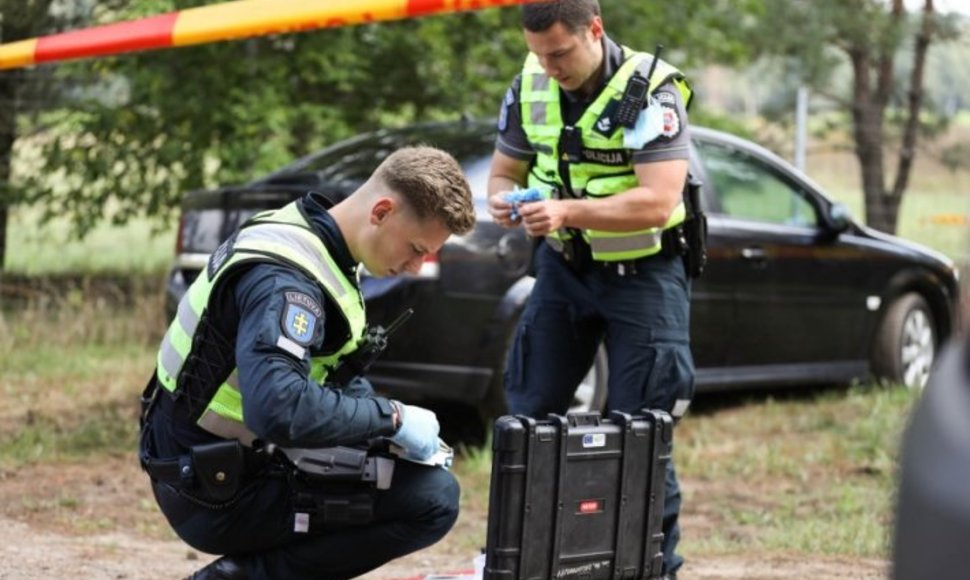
column 433, row 184
column 575, row 15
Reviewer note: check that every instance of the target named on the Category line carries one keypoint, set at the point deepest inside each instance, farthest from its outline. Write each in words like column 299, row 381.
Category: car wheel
column 906, row 344
column 591, row 393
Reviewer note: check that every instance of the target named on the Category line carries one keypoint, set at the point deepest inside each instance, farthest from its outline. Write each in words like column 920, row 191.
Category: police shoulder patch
column 671, row 120
column 301, row 318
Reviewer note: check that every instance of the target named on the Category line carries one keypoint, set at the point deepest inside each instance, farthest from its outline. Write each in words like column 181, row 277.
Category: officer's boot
column 225, row 568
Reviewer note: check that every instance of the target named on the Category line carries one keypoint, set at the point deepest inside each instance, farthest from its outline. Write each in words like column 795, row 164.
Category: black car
column 795, row 292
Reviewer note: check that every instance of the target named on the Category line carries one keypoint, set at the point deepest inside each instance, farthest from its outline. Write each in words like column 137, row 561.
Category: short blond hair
column 432, row 183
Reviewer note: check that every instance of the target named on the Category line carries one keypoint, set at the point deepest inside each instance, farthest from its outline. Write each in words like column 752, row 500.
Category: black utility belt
column 577, row 253
column 629, row 267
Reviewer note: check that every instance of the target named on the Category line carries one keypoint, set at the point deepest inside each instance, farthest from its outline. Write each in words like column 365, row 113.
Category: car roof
column 354, row 159
column 464, row 139
column 348, row 163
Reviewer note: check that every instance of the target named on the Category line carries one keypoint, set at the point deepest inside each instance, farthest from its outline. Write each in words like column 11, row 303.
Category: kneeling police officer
column 246, row 370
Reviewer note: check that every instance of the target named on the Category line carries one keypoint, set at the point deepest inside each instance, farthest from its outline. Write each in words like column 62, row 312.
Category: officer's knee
column 450, row 495
column 670, row 384
column 442, row 497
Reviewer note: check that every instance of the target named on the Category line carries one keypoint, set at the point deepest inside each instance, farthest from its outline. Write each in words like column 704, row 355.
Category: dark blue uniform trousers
column 641, row 316
column 257, row 530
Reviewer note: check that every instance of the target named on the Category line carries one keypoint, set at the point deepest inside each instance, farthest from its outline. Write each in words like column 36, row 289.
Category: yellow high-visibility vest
column 280, row 236
column 598, row 175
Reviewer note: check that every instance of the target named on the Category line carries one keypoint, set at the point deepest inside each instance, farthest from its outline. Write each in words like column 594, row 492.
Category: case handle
column 579, row 419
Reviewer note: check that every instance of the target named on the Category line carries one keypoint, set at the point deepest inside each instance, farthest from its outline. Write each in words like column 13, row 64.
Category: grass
column 82, row 401
column 41, row 249
column 473, row 467
column 805, row 474
column 70, row 373
column 813, row 474
column 103, row 429
column 808, row 474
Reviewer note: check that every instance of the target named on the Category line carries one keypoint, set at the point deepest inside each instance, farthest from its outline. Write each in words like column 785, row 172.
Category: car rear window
column 201, row 230
column 353, row 161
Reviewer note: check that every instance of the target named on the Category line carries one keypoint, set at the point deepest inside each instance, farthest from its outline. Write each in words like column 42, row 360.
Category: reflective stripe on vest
column 284, row 237
column 542, row 122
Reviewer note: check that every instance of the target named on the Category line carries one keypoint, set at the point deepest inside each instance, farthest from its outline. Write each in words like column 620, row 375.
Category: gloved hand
column 418, row 433
column 520, row 196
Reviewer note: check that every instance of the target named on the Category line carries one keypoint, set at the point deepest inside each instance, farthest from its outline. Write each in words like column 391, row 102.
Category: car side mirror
column 839, row 218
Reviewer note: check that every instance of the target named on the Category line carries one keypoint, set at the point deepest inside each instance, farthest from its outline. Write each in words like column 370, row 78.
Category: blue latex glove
column 522, row 196
column 418, row 434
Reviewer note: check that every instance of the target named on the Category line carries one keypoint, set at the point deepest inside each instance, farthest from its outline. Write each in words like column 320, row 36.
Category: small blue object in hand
column 522, row 196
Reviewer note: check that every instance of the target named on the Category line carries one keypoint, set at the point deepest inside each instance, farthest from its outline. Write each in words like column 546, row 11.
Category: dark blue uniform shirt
column 281, row 403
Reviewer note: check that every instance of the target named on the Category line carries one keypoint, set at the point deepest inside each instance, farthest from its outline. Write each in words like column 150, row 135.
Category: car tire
column 905, row 346
column 591, row 393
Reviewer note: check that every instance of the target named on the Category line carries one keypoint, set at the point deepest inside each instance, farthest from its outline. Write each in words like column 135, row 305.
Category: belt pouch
column 219, row 468
column 332, row 507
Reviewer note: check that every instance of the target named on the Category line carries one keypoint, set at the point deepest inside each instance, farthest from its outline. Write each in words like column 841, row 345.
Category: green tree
column 146, row 127
column 696, row 32
column 868, row 35
column 19, row 20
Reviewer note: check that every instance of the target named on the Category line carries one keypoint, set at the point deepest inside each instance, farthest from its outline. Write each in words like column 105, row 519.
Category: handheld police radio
column 635, row 94
column 370, row 347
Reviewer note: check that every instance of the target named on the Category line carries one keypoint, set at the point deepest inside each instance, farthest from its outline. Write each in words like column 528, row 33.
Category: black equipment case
column 577, row 496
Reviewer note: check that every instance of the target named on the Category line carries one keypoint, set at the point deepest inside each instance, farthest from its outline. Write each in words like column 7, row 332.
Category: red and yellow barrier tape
column 225, row 21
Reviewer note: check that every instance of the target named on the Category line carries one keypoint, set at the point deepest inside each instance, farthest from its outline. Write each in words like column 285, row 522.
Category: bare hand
column 542, row 217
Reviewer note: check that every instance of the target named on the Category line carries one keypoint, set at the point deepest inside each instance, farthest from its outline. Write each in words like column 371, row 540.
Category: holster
column 576, row 252
column 694, row 229
column 673, row 242
column 342, row 464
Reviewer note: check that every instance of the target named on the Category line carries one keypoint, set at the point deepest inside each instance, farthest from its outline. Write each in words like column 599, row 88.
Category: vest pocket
column 607, row 185
column 536, row 181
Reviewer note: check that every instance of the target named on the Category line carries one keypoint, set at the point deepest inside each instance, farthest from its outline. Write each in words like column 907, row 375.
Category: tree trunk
column 21, row 20
column 907, row 149
column 11, row 29
column 8, row 132
column 869, row 113
column 868, row 108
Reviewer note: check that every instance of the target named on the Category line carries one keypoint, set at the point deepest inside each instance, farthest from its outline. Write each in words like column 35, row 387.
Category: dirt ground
column 97, row 521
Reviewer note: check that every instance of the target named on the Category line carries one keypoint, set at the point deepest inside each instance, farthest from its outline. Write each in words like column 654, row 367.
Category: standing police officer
column 243, row 370
column 601, row 130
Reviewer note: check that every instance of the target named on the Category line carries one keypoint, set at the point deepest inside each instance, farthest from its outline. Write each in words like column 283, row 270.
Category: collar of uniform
column 315, row 206
column 613, row 58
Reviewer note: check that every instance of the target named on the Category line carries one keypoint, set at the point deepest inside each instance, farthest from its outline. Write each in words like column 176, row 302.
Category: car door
column 796, row 299
column 712, row 294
